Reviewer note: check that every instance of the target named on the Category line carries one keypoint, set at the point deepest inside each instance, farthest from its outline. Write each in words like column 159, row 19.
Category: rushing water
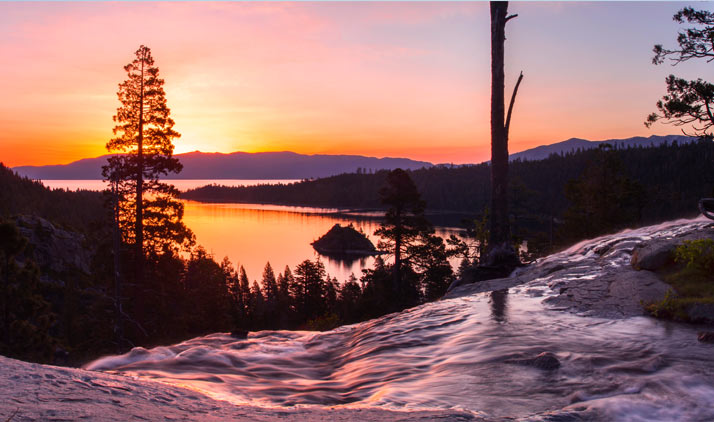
column 462, row 353
column 253, row 234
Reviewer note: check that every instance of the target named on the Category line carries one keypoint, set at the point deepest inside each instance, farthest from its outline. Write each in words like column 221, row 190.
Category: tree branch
column 513, row 100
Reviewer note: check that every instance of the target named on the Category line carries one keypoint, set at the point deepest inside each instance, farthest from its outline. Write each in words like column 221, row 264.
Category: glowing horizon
column 405, row 80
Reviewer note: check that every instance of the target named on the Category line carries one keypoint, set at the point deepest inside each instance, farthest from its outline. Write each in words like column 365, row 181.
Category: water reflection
column 253, row 234
column 499, row 303
column 181, row 184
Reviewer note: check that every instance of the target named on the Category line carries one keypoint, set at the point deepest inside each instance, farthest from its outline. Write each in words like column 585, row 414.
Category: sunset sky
column 382, row 79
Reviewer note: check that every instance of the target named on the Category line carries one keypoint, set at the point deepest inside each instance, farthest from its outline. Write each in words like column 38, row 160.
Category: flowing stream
column 464, row 353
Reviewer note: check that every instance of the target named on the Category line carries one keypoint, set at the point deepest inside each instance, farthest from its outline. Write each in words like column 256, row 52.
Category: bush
column 697, row 255
column 671, row 307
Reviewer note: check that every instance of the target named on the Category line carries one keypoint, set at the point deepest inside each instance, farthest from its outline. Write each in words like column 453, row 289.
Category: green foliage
column 688, row 102
column 697, row 255
column 671, row 307
column 693, row 281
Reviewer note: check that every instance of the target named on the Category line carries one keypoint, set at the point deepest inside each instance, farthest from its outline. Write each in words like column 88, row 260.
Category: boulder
column 706, row 337
column 654, row 256
column 546, row 361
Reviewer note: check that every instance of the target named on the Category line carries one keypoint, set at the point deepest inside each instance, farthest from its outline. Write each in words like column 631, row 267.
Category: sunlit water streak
column 181, row 184
column 459, row 353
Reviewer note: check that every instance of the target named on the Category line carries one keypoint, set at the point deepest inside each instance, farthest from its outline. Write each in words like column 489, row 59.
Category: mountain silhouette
column 236, row 165
column 291, row 165
column 573, row 144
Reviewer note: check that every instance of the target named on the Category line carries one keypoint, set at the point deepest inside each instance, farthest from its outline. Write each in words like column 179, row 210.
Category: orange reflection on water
column 253, row 234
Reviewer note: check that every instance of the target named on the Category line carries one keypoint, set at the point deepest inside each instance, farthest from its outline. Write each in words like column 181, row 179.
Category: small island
column 342, row 241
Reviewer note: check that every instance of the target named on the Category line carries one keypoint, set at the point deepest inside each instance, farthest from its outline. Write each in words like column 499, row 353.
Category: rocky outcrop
column 346, row 240
column 653, row 257
column 610, row 294
column 54, row 249
column 596, row 277
column 658, row 254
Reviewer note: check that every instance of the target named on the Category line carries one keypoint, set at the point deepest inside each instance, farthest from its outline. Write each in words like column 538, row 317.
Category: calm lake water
column 254, row 234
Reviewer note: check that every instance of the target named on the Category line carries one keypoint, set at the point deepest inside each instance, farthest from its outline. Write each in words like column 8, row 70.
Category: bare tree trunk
column 501, row 253
column 500, row 230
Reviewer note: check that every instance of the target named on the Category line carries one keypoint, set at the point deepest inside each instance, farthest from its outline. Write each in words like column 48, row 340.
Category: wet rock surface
column 658, row 253
column 598, row 277
column 33, row 392
column 545, row 361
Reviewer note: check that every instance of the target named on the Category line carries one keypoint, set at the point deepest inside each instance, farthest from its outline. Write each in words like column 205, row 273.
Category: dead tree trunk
column 499, row 237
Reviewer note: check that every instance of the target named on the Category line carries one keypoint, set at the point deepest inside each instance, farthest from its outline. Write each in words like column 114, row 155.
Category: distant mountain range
column 542, row 152
column 237, row 165
column 290, row 165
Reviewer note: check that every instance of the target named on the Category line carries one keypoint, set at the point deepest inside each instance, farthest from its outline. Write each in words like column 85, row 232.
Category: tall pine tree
column 149, row 215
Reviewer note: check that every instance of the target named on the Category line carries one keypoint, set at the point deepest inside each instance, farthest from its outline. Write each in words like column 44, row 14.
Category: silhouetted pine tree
column 403, row 221
column 308, row 289
column 144, row 153
column 272, row 295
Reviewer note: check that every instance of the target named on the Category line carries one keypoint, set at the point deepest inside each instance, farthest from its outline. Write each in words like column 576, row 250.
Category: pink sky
column 383, row 79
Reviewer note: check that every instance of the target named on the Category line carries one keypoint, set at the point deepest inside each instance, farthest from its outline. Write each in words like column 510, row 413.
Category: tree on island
column 502, row 253
column 148, row 213
column 688, row 102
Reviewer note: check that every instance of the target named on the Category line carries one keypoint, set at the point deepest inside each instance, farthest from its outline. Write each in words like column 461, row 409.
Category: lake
column 254, row 234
